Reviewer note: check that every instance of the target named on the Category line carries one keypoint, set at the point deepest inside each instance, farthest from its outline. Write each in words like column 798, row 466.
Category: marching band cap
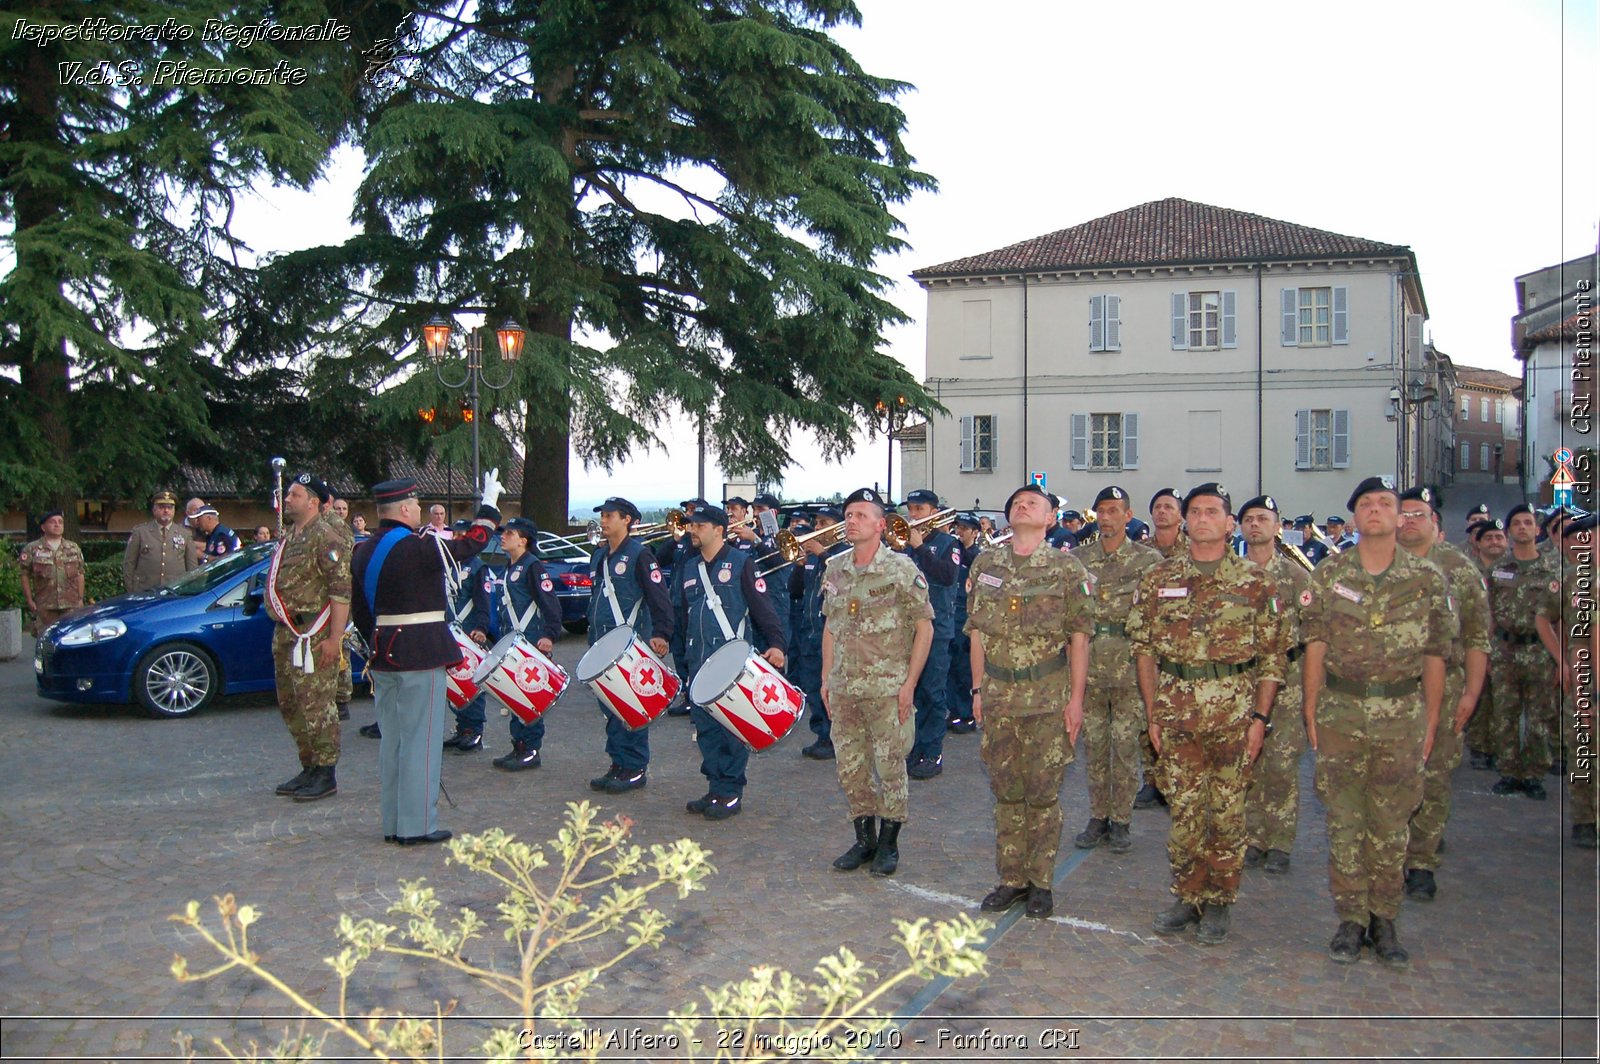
column 315, row 486
column 392, row 491
column 1422, row 493
column 923, row 495
column 768, row 500
column 618, row 505
column 865, row 495
column 48, row 514
column 1173, row 492
column 1056, row 500
column 1106, row 494
column 1371, row 484
column 1072, row 515
column 1585, row 523
column 206, row 510
column 709, row 515
column 829, row 511
column 1555, row 512
column 460, row 526
column 1304, row 521
column 696, row 502
column 1495, row 525
column 524, row 525
column 163, row 497
column 1209, row 488
column 1025, row 490
column 1334, row 519
column 968, row 521
column 737, row 500
column 1260, row 502
column 1520, row 508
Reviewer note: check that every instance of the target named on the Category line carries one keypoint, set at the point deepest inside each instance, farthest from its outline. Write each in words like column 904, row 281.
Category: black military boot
column 1041, row 903
column 289, row 786
column 1253, row 856
column 1092, row 835
column 821, row 750
column 320, row 785
column 1506, row 785
column 1480, row 760
column 371, row 731
column 1386, row 944
column 1420, row 885
column 864, row 848
column 1118, row 839
column 887, row 859
column 1583, row 836
column 1346, row 945
column 1148, row 796
column 1002, row 898
column 1175, row 920
column 1213, row 926
column 1276, row 863
column 344, row 710
column 1534, row 789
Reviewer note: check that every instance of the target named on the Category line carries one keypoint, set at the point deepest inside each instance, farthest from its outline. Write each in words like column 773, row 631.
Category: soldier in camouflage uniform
column 1375, row 620
column 1487, row 544
column 877, row 631
column 1522, row 586
column 52, row 573
column 1272, row 802
column 1210, row 637
column 1167, row 537
column 1465, row 669
column 1575, row 624
column 308, row 594
column 336, row 512
column 1029, row 619
column 1114, row 716
column 158, row 550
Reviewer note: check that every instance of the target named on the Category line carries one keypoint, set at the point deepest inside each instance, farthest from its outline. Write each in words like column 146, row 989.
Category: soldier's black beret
column 1549, row 518
column 967, row 521
column 314, row 485
column 865, row 495
column 1481, row 508
column 710, row 515
column 618, row 505
column 1027, row 489
column 737, row 500
column 1369, row 485
column 1583, row 523
column 1520, row 508
column 768, row 500
column 1173, row 492
column 48, row 514
column 1210, row 488
column 524, row 525
column 924, row 496
column 1260, row 502
column 397, row 490
column 1107, row 494
column 1422, row 493
column 1479, row 529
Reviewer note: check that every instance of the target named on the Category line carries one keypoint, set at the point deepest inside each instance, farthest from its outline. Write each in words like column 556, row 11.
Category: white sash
column 714, row 601
column 521, row 623
column 301, row 657
column 611, row 594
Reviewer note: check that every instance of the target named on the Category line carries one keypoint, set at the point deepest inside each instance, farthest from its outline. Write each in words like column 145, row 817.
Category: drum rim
column 732, row 644
column 583, row 677
column 495, row 655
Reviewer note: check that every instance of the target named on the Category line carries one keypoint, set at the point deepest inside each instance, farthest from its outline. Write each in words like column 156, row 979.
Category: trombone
column 675, row 524
column 1293, row 553
column 749, row 521
column 792, row 547
column 898, row 534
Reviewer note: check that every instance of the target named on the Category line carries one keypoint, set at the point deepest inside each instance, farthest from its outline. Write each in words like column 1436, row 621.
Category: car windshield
column 215, row 572
column 553, row 548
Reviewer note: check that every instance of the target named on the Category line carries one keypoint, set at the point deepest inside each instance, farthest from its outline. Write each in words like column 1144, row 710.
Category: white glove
column 492, row 487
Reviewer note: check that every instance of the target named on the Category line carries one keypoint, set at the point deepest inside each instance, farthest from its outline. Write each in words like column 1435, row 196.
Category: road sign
column 1038, row 476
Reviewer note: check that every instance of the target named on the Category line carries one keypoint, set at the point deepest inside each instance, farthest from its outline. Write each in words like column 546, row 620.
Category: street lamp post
column 1419, row 397
column 894, row 419
column 436, row 337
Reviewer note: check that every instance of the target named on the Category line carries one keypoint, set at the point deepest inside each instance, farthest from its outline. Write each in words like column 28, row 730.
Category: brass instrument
column 792, row 547
column 749, row 521
column 996, row 540
column 1322, row 537
column 1088, row 536
column 675, row 525
column 1293, row 553
column 898, row 534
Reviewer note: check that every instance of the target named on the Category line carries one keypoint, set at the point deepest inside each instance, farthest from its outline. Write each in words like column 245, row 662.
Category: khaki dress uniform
column 157, row 554
column 54, row 579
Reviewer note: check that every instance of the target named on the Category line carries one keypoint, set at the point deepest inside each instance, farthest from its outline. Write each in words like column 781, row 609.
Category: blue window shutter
column 1341, row 439
column 1130, row 441
column 1341, row 315
column 966, row 444
column 1113, row 323
column 1230, row 321
column 1080, row 441
column 1291, row 317
column 1302, row 439
column 1097, row 323
column 1180, row 321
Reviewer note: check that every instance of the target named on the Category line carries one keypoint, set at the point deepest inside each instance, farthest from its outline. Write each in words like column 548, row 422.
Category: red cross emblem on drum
column 463, row 669
column 531, row 677
column 645, row 680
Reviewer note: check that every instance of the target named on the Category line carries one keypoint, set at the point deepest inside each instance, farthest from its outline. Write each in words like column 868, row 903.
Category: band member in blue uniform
column 720, row 596
column 968, row 534
column 938, row 556
column 805, row 660
column 528, row 604
column 627, row 588
column 671, row 553
column 220, row 540
column 753, row 540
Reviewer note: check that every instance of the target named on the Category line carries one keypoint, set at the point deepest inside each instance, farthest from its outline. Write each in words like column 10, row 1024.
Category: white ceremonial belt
column 390, row 620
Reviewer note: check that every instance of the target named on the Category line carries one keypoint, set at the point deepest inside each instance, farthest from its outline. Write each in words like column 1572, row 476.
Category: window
column 1204, row 321
column 1105, row 441
column 1483, row 457
column 1322, row 439
column 977, row 443
column 1466, row 457
column 1483, row 410
column 1499, row 411
column 1105, row 323
column 1315, row 317
column 1466, row 407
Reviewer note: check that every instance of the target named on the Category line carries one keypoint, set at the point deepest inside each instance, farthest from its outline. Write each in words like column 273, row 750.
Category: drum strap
column 714, row 601
column 453, row 575
column 611, row 596
column 520, row 623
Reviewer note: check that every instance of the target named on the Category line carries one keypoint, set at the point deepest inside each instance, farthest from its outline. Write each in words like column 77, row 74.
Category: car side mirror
column 255, row 593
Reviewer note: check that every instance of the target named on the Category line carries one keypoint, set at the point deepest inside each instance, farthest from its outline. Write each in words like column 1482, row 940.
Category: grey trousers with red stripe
column 411, row 712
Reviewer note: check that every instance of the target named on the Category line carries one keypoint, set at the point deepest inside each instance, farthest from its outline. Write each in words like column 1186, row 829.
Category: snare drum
column 459, row 686
column 524, row 680
column 628, row 678
column 747, row 695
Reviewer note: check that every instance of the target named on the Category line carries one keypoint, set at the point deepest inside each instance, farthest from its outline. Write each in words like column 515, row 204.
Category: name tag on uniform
column 1346, row 593
column 990, row 579
column 1504, row 574
column 690, row 582
column 1172, row 592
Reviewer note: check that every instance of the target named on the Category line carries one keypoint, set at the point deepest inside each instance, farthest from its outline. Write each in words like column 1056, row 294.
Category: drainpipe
column 1025, row 467
column 1261, row 331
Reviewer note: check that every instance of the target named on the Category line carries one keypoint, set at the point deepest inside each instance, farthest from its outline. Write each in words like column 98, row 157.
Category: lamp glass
column 511, row 337
column 436, row 334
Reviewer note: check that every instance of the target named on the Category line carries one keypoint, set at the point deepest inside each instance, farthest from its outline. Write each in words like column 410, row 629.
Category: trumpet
column 791, row 548
column 1293, row 553
column 675, row 525
column 898, row 534
column 1322, row 537
column 996, row 540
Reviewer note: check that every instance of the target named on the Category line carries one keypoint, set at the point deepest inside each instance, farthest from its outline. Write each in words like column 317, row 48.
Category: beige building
column 1175, row 343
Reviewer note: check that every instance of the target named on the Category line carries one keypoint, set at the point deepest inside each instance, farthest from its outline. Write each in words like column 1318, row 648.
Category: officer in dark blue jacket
column 938, row 556
column 805, row 662
column 627, row 587
column 746, row 535
column 720, row 595
column 528, row 604
column 968, row 533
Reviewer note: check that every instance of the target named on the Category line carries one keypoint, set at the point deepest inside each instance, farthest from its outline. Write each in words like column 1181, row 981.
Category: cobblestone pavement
column 113, row 821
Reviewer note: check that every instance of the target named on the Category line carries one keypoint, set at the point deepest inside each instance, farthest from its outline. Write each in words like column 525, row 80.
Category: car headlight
column 94, row 632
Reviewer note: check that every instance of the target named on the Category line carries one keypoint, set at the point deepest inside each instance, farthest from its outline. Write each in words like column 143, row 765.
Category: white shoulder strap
column 714, row 601
column 611, row 595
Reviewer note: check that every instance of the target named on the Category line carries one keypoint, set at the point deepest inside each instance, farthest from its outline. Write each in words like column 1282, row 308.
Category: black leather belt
column 1110, row 629
column 1517, row 639
column 1037, row 671
column 1211, row 670
column 1396, row 689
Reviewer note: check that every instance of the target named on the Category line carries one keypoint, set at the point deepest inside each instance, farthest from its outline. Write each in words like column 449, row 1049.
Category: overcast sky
column 1465, row 132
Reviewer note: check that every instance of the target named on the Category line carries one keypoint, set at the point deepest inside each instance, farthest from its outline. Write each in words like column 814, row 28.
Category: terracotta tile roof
column 1492, row 378
column 430, row 476
column 1169, row 231
column 1565, row 329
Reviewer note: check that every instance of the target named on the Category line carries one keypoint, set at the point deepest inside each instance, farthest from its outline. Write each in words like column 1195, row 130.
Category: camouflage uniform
column 344, row 687
column 157, row 554
column 314, row 571
column 1575, row 620
column 1113, row 714
column 1371, row 717
column 1217, row 630
column 1147, row 752
column 1480, row 729
column 1027, row 609
column 1471, row 596
column 872, row 614
column 53, row 574
column 1272, row 802
column 1524, row 674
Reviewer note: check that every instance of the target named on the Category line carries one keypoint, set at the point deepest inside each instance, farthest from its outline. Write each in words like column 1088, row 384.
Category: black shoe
column 1213, row 926
column 821, row 750
column 1148, row 796
column 1346, row 945
column 678, row 711
column 1276, row 863
column 722, row 807
column 470, row 743
column 1534, row 789
column 1420, row 885
column 626, row 780
column 1176, row 920
column 1002, row 898
column 1583, row 836
column 289, row 786
column 391, row 838
column 599, row 782
column 699, row 805
column 963, row 727
column 422, row 840
column 370, row 731
column 1118, row 838
column 450, row 743
column 1253, row 856
column 1480, row 760
column 887, row 859
column 1093, row 834
column 863, row 849
column 1386, row 944
column 521, row 757
column 927, row 768
column 1506, row 785
column 1041, row 903
column 321, row 785
column 344, row 710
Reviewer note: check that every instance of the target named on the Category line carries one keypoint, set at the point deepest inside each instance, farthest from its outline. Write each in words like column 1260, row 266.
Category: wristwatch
column 975, row 691
column 1265, row 721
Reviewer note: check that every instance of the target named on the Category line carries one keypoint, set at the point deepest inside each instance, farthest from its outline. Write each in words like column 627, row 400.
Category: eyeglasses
column 1414, row 515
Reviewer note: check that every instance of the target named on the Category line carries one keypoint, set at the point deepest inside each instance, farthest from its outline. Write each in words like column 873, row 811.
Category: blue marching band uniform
column 939, row 560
